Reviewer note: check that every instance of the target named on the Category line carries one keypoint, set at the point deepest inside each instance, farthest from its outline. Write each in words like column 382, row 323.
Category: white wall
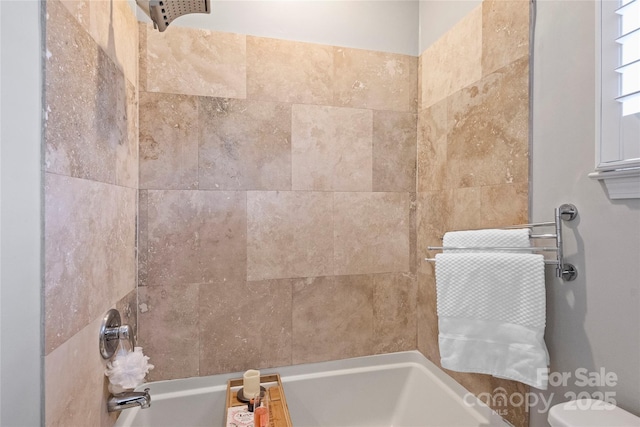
column 381, row 25
column 398, row 26
column 20, row 212
column 594, row 321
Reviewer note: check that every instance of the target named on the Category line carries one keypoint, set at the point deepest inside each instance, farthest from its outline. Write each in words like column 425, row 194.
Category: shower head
column 163, row 12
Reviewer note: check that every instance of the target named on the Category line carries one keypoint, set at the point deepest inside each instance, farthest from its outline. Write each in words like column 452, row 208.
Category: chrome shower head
column 163, row 12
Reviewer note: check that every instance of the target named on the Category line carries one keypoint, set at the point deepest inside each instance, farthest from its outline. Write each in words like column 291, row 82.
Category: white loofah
column 127, row 370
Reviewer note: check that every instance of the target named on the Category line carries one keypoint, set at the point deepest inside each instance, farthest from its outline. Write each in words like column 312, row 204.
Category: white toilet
column 590, row 413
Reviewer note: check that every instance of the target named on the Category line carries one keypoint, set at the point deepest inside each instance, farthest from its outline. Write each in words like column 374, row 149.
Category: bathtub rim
column 166, row 389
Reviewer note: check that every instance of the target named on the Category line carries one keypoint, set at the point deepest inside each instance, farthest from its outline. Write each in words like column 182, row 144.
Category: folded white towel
column 518, row 237
column 491, row 314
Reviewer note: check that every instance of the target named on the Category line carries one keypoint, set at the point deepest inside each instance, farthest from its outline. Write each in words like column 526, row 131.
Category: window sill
column 621, row 183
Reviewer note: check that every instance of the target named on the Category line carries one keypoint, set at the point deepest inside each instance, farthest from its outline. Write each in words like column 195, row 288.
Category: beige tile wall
column 90, row 198
column 276, row 202
column 277, row 198
column 331, row 148
column 472, row 151
column 199, row 63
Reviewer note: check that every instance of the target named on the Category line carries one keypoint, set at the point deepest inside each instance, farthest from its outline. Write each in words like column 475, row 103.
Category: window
column 618, row 112
column 629, row 68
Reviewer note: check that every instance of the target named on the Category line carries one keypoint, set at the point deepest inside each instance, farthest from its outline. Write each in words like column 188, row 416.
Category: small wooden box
column 278, row 409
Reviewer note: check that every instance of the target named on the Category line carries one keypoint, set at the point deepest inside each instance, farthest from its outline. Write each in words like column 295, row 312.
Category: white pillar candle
column 250, row 383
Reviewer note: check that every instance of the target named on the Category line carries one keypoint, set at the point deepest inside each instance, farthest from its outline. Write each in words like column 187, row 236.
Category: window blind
column 629, row 63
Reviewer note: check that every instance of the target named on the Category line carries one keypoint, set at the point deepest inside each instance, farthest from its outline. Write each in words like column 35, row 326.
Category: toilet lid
column 590, row 413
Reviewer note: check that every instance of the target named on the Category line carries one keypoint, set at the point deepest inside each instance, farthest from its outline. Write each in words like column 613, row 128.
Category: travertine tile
column 190, row 329
column 472, row 153
column 169, row 330
column 394, row 151
column 487, row 141
column 196, row 237
column 432, row 147
column 79, row 9
column 75, row 384
column 128, row 309
column 89, row 227
column 433, row 214
column 375, row 80
column 191, row 61
column 289, row 71
column 168, row 141
column 426, row 313
column 289, row 234
column 85, row 122
column 143, row 236
column 505, row 33
column 332, row 318
column 89, row 252
column 245, row 326
column 466, row 209
column 114, row 27
column 394, row 312
column 421, row 83
column 433, row 218
column 506, row 204
column 453, row 61
column 142, row 56
column 124, row 49
column 244, row 145
column 371, row 233
column 127, row 165
column 413, row 233
column 331, row 148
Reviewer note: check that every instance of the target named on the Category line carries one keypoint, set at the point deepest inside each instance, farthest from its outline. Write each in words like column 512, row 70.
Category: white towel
column 491, row 315
column 518, row 237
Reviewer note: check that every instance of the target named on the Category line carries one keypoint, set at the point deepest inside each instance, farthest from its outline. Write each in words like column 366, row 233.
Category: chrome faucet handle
column 111, row 332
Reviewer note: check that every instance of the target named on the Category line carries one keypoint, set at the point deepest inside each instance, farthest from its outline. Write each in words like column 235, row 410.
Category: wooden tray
column 278, row 409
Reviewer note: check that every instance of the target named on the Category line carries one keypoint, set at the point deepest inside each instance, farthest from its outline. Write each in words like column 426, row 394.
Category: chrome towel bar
column 566, row 271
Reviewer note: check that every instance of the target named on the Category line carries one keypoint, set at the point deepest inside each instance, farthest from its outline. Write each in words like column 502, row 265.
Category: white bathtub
column 398, row 389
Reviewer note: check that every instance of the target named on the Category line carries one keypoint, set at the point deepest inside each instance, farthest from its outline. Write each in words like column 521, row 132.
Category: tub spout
column 129, row 399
